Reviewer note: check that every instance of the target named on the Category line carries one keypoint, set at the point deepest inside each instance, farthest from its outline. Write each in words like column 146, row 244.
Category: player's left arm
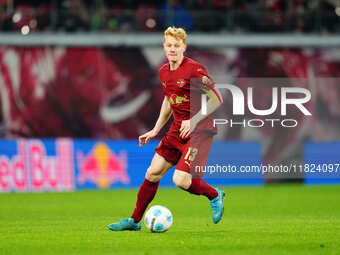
column 188, row 126
column 214, row 102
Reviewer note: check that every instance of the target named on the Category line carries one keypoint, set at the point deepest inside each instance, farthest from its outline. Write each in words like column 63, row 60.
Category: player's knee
column 182, row 182
column 152, row 175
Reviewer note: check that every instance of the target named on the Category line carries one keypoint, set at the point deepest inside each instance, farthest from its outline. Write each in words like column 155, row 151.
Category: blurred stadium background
column 79, row 84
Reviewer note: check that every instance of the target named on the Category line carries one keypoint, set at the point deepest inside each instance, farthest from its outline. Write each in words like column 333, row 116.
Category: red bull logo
column 31, row 169
column 181, row 83
column 102, row 166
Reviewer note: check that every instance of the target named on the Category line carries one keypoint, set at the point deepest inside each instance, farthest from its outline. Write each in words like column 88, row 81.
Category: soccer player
column 189, row 139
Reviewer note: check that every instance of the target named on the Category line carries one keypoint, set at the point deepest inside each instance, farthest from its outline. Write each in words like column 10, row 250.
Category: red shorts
column 190, row 155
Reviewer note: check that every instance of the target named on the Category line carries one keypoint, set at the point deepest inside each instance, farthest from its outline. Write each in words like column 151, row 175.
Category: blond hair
column 176, row 32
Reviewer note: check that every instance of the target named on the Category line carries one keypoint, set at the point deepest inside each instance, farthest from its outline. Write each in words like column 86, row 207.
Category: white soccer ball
column 158, row 219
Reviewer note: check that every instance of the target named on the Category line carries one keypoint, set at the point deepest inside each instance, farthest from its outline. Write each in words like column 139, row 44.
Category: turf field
column 257, row 220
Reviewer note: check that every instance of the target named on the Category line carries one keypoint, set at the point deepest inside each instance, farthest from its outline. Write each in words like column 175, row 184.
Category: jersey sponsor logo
column 181, row 83
column 175, row 99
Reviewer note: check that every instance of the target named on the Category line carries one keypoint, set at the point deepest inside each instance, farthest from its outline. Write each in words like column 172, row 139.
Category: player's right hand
column 144, row 139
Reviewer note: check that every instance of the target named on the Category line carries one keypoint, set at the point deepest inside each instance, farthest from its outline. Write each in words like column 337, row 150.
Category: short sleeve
column 200, row 77
column 198, row 71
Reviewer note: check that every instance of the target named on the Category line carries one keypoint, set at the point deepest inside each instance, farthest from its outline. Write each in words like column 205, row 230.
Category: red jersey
column 183, row 96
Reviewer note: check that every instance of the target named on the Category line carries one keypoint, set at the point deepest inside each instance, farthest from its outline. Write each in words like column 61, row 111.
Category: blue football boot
column 217, row 206
column 125, row 224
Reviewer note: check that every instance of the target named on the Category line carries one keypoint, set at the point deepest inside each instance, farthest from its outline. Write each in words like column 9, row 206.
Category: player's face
column 173, row 48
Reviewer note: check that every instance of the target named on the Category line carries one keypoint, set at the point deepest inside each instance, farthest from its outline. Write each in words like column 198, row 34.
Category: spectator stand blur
column 174, row 13
column 74, row 16
column 25, row 15
column 233, row 16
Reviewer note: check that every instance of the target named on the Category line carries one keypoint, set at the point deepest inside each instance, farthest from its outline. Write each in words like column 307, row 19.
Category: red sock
column 146, row 193
column 200, row 187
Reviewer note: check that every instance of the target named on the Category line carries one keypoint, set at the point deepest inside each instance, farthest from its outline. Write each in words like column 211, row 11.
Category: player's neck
column 175, row 64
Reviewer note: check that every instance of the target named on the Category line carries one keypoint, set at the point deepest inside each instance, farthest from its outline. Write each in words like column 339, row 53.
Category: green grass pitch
column 258, row 220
